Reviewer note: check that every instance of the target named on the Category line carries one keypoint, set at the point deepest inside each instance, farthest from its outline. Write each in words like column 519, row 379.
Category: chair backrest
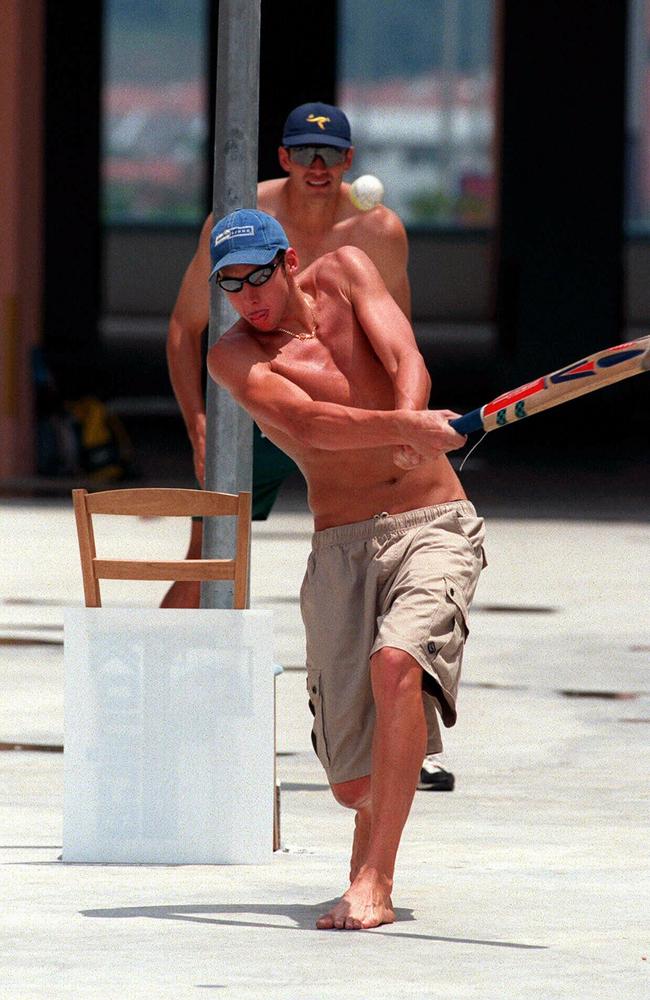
column 162, row 502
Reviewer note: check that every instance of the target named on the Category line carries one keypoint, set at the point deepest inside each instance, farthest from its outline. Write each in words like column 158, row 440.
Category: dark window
column 154, row 111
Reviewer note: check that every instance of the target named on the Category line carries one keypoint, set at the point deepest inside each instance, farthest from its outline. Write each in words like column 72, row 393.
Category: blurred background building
column 513, row 139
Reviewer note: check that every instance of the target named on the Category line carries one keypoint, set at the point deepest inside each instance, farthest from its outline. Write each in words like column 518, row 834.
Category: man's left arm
column 388, row 330
column 392, row 339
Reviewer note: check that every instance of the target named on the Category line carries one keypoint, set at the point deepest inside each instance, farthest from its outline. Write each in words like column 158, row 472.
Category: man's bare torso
column 340, row 366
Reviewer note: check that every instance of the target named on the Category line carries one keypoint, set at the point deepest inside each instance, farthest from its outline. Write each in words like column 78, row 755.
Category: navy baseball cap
column 246, row 237
column 317, row 124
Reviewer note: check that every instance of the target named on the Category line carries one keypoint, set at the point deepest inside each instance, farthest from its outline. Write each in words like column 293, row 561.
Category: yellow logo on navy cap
column 318, row 120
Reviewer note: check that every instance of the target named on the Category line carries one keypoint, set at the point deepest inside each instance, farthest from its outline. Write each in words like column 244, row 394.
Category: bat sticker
column 515, row 395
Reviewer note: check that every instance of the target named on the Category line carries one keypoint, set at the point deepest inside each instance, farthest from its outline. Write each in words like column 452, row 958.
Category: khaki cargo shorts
column 402, row 580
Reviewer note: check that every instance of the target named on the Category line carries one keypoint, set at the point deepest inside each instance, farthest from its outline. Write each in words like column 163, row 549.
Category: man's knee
column 394, row 674
column 353, row 794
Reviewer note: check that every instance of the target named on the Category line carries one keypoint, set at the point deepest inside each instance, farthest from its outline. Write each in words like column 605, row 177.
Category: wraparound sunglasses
column 331, row 156
column 256, row 278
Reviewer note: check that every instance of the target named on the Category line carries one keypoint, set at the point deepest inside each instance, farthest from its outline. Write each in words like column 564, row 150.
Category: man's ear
column 349, row 156
column 291, row 261
column 284, row 159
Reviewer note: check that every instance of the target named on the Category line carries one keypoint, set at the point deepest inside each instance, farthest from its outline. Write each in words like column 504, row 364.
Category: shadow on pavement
column 304, row 918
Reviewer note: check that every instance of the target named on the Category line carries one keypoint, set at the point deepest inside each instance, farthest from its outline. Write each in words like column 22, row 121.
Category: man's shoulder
column 343, row 258
column 236, row 343
column 380, row 223
column 339, row 268
column 376, row 231
column 268, row 194
column 234, row 357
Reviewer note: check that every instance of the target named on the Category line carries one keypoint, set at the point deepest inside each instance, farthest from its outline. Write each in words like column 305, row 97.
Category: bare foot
column 360, row 843
column 367, row 903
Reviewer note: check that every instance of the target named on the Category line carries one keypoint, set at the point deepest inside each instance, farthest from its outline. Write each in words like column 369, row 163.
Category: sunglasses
column 331, row 156
column 258, row 277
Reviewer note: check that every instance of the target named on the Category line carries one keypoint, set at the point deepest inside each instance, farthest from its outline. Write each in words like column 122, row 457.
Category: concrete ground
column 530, row 880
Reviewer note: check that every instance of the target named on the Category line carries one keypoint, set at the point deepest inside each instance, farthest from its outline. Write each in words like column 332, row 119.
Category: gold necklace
column 302, row 336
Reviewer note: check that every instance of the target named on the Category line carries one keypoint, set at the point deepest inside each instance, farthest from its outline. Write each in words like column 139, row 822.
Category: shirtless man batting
column 312, row 204
column 326, row 363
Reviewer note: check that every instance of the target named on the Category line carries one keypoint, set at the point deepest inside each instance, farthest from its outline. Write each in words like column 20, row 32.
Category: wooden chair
column 166, row 503
column 173, row 503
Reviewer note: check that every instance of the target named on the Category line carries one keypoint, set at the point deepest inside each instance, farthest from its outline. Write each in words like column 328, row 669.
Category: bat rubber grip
column 468, row 423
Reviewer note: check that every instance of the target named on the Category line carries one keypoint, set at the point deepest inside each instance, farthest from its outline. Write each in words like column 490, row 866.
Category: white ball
column 366, row 192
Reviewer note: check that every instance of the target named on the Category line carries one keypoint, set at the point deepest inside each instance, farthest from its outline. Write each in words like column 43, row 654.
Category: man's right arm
column 271, row 398
column 188, row 321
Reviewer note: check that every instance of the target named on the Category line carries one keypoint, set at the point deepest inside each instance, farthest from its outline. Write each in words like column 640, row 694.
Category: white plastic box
column 169, row 736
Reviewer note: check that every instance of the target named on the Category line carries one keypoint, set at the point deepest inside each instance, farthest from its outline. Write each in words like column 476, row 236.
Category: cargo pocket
column 457, row 598
column 318, row 733
column 444, row 649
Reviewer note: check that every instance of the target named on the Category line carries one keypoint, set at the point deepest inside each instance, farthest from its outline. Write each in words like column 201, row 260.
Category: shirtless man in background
column 326, row 363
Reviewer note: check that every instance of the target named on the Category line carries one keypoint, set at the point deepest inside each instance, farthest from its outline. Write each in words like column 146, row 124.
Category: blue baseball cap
column 317, row 124
column 246, row 237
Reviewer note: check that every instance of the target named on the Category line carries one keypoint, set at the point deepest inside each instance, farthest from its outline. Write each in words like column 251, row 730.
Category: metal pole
column 229, row 430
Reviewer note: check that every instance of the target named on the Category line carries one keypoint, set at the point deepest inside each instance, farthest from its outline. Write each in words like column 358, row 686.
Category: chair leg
column 276, row 818
column 276, row 783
